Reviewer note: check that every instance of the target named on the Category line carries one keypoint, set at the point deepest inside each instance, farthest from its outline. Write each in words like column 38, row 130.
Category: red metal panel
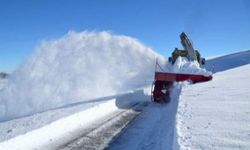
column 165, row 76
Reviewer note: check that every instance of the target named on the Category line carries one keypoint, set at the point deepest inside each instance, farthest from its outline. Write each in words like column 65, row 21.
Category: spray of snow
column 77, row 67
column 182, row 65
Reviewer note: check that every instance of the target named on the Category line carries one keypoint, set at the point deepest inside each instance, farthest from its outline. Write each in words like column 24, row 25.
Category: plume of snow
column 77, row 67
column 182, row 65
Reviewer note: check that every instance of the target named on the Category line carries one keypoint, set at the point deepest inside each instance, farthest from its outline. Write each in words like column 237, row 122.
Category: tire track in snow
column 153, row 129
column 99, row 136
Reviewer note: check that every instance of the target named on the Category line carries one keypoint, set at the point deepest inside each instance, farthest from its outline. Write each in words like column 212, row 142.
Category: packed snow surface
column 154, row 129
column 215, row 115
column 77, row 67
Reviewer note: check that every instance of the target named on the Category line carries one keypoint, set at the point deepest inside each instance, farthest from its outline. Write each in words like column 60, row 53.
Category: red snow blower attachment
column 163, row 81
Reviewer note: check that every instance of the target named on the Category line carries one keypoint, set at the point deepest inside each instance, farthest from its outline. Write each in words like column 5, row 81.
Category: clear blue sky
column 215, row 26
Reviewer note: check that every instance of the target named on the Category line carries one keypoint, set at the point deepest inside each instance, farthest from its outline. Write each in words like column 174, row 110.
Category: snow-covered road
column 94, row 128
column 153, row 129
column 99, row 136
column 59, row 128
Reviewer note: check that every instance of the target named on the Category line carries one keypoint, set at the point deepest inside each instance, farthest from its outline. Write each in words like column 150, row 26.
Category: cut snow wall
column 77, row 67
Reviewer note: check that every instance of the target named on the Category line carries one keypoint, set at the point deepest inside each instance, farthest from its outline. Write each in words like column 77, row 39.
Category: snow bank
column 182, row 65
column 60, row 131
column 77, row 67
column 68, row 128
column 215, row 114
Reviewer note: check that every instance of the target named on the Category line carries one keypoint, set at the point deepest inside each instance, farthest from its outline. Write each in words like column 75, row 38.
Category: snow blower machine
column 163, row 81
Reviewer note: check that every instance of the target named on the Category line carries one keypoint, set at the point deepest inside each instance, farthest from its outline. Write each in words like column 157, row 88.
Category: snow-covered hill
column 228, row 61
column 215, row 114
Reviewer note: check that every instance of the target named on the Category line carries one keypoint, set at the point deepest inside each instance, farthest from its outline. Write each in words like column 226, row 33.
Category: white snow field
column 77, row 67
column 82, row 90
column 215, row 115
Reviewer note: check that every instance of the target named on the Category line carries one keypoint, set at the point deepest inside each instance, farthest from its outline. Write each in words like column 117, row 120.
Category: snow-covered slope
column 215, row 115
column 77, row 67
column 229, row 61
